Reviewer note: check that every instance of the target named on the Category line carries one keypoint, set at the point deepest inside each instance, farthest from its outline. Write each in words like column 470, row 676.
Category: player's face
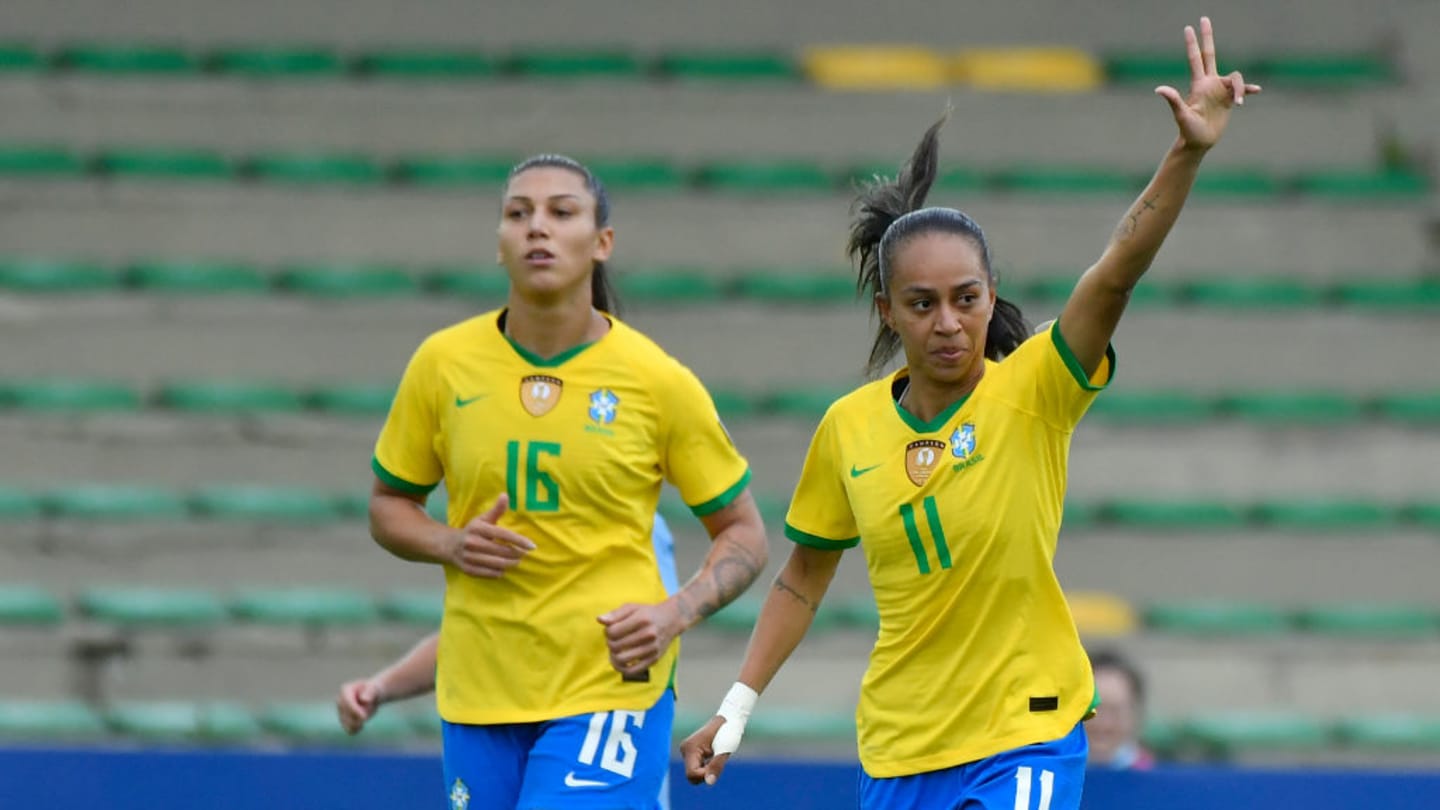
column 939, row 302
column 548, row 239
column 1118, row 719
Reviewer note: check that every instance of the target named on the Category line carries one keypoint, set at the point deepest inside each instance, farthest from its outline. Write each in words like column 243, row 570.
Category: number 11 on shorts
column 1022, row 788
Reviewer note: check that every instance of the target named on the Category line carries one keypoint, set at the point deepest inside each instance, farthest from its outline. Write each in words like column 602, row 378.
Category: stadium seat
column 803, row 403
column 1143, row 408
column 348, row 281
column 733, row 404
column 434, row 171
column 1054, row 291
column 778, row 177
column 1426, row 515
column 227, row 397
column 196, row 277
column 726, row 66
column 17, row 57
column 164, row 164
column 637, row 175
column 1215, row 619
column 1104, row 615
column 141, row 607
column 1038, row 179
column 68, row 396
column 1032, row 69
column 1081, row 515
column 736, row 618
column 17, row 505
column 1371, row 621
column 1291, row 408
column 40, row 161
column 317, row 724
column 1196, row 515
column 854, row 612
column 265, row 504
column 782, row 723
column 772, row 507
column 1322, row 71
column 1147, row 68
column 426, row 721
column 421, row 64
column 671, row 286
column 1390, row 732
column 180, row 721
column 48, row 720
column 1250, row 293
column 29, row 605
column 56, row 276
column 819, row 287
column 422, row 608
column 298, row 169
column 1363, row 187
column 564, row 64
column 312, row 607
column 360, row 399
column 1387, row 295
column 1252, row 184
column 1416, row 409
column 1306, row 515
column 102, row 502
column 487, row 283
column 128, row 60
column 863, row 67
column 277, row 63
column 1228, row 733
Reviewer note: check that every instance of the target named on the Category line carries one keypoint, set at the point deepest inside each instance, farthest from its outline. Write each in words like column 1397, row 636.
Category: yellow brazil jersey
column 958, row 518
column 581, row 442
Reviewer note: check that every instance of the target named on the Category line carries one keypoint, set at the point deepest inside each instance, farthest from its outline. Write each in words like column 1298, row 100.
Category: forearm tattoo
column 730, row 573
column 782, row 585
column 1132, row 218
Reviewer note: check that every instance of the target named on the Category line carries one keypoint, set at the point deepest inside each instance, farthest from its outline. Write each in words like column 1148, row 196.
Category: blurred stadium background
column 223, row 228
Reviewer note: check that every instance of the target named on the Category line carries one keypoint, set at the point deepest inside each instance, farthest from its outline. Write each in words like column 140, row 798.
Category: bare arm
column 398, row 522
column 787, row 613
column 410, row 675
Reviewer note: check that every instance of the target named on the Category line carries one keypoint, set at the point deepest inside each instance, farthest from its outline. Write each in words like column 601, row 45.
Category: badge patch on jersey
column 540, row 394
column 920, row 459
column 962, row 441
column 603, row 404
column 459, row 796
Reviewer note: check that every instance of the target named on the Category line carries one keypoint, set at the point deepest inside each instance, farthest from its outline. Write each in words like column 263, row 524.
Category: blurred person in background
column 952, row 472
column 1114, row 731
column 553, row 425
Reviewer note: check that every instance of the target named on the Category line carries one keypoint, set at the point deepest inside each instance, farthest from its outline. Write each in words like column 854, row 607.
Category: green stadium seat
column 1371, row 621
column 637, row 175
column 1054, row 291
column 856, row 612
column 1067, row 180
column 954, row 179
column 127, row 60
column 305, row 606
column 426, row 722
column 164, row 164
column 1324, row 515
column 99, row 502
column 176, row 721
column 1390, row 732
column 727, row 66
column 1079, row 515
column 1150, row 68
column 47, row 276
column 40, row 161
column 265, row 504
column 317, row 724
column 485, row 282
column 670, row 286
column 805, row 403
column 366, row 400
column 563, row 64
column 1323, row 71
column 781, row 287
column 1397, row 295
column 1417, row 409
column 422, row 608
column 1227, row 733
column 1291, row 408
column 419, row 64
column 1422, row 514
column 229, row 397
column 68, row 396
column 1363, row 186
column 1144, row 408
column 140, row 607
column 1162, row 735
column 432, row 171
column 779, row 177
column 1252, row 184
column 278, row 63
column 315, row 169
column 1197, row 515
column 1216, row 619
column 352, row 281
column 195, row 277
column 801, row 725
column 1251, row 293
column 17, row 504
column 48, row 720
column 672, row 507
column 737, row 618
column 732, row 404
column 772, row 507
column 17, row 57
column 29, row 605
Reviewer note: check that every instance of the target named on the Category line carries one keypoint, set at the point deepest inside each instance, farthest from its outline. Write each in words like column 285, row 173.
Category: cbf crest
column 962, row 441
column 459, row 796
column 603, row 405
column 920, row 459
column 540, row 393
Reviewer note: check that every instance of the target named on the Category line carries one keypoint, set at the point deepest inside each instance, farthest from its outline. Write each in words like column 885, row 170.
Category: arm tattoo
column 1132, row 217
column 782, row 585
column 730, row 574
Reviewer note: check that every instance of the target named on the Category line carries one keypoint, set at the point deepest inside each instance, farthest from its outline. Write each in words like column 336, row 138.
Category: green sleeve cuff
column 724, row 499
column 394, row 481
column 816, row 541
column 1073, row 364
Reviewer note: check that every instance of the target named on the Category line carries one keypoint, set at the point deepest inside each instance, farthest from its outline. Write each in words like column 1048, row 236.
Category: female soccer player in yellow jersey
column 552, row 424
column 952, row 474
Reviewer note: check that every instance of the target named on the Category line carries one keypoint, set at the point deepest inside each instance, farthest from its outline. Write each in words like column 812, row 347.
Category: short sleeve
column 1059, row 389
column 405, row 456
column 820, row 515
column 698, row 457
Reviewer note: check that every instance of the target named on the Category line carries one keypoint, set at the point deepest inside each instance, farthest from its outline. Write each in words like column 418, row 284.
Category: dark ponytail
column 602, row 294
column 888, row 212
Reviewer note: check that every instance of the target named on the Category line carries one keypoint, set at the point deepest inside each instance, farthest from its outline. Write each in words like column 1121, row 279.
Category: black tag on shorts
column 1044, row 704
column 639, row 677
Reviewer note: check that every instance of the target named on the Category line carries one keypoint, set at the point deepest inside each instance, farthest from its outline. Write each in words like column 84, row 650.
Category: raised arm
column 1094, row 309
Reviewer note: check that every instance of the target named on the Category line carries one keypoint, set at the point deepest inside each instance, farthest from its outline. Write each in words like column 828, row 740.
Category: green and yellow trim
column 1073, row 363
column 722, row 500
column 816, row 541
column 919, row 425
column 395, row 482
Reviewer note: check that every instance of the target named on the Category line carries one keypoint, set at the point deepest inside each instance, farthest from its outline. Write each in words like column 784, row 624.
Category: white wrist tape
column 735, row 708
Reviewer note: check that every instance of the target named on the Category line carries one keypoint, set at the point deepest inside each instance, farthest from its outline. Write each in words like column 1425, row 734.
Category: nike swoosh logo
column 460, row 403
column 573, row 781
column 856, row 473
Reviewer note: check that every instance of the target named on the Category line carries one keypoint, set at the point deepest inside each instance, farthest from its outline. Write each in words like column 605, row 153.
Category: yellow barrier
column 1102, row 614
column 1053, row 70
column 876, row 68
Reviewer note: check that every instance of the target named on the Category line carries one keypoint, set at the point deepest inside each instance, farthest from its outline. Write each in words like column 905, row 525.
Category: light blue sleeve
column 665, row 554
